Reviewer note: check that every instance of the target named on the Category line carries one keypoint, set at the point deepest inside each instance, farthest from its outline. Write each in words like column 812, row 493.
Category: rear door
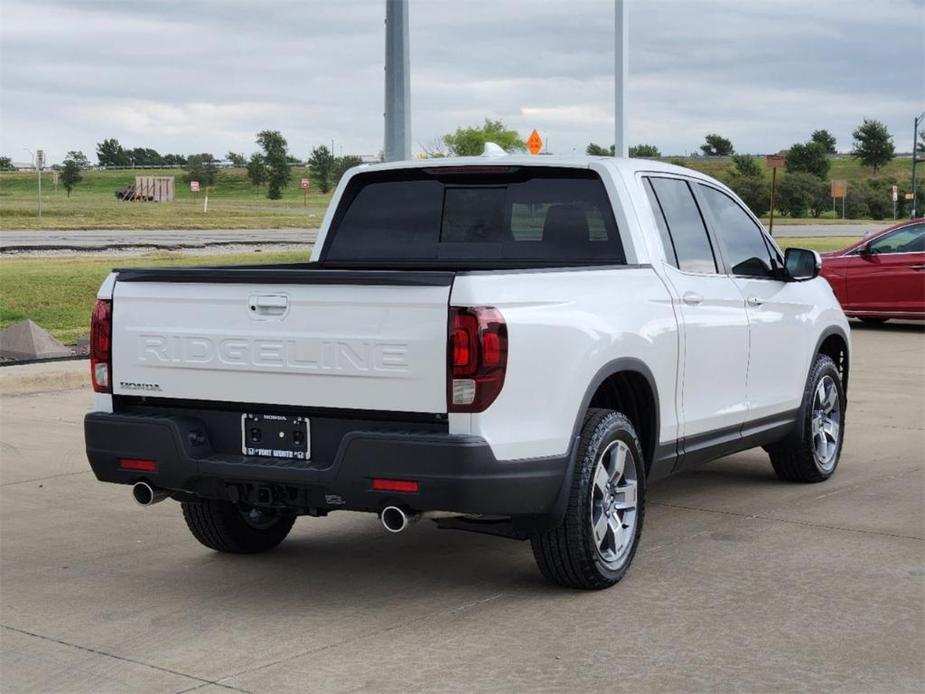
column 715, row 328
column 778, row 311
column 333, row 339
column 890, row 276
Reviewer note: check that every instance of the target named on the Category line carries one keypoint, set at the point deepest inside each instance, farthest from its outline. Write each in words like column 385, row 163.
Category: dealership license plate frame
column 279, row 436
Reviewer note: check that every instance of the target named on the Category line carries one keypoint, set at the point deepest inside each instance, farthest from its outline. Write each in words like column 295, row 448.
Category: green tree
column 594, row 150
column 110, row 153
column 716, row 146
column 257, row 170
column 6, row 164
column 810, row 158
column 341, row 164
column 745, row 165
column 79, row 158
column 201, row 167
column 644, row 152
column 70, row 173
column 802, row 193
column 920, row 145
column 873, row 144
column 321, row 162
column 174, row 160
column 145, row 156
column 236, row 159
column 754, row 190
column 275, row 153
column 824, row 138
column 470, row 142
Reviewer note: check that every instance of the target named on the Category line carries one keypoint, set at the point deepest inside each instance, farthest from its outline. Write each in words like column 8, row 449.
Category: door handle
column 917, row 267
column 691, row 298
column 755, row 301
column 268, row 304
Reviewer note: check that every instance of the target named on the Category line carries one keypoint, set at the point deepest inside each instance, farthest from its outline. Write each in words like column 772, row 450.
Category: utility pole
column 397, row 82
column 915, row 142
column 621, row 50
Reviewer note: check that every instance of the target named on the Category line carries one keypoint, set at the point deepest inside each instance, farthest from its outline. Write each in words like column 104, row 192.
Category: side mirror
column 865, row 249
column 802, row 264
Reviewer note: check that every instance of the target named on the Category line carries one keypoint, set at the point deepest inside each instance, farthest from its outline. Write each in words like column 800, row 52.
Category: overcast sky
column 185, row 76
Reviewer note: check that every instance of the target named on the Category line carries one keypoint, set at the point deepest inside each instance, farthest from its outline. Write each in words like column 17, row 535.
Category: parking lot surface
column 741, row 582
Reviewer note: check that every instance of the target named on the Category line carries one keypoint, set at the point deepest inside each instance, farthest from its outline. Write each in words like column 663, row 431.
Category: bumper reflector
column 138, row 464
column 406, row 486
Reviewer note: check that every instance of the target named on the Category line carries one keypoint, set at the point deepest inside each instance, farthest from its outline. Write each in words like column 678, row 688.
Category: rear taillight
column 101, row 347
column 477, row 355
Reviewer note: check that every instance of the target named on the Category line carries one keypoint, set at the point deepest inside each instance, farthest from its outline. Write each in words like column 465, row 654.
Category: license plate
column 276, row 436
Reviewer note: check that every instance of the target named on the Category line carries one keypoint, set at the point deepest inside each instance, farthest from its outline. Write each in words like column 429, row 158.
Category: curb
column 23, row 379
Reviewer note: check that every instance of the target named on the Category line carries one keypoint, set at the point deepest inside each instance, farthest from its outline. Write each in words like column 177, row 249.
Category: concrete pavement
column 741, row 583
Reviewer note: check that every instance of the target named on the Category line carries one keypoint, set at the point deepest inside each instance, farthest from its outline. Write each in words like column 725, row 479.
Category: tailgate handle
column 268, row 304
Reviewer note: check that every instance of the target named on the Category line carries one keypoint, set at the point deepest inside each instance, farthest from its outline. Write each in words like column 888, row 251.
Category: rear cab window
column 673, row 200
column 474, row 216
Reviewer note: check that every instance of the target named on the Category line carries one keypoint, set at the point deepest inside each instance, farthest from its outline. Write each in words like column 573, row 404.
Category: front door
column 888, row 275
column 714, row 326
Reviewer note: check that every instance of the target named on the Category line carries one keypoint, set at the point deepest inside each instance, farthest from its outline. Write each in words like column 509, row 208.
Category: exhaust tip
column 145, row 495
column 394, row 519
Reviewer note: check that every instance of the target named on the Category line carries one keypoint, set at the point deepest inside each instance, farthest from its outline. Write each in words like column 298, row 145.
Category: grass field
column 58, row 292
column 233, row 204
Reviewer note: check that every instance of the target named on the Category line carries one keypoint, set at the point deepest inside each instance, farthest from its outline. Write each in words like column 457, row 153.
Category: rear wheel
column 812, row 454
column 227, row 527
column 596, row 540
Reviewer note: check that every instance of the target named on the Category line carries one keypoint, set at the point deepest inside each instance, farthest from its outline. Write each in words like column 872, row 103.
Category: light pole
column 397, row 82
column 38, row 172
column 621, row 65
column 915, row 143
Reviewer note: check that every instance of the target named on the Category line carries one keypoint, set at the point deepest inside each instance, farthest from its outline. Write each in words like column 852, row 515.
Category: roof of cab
column 623, row 165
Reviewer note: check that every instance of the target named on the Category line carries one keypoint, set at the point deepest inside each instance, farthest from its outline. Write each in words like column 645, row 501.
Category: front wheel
column 594, row 544
column 813, row 452
column 227, row 527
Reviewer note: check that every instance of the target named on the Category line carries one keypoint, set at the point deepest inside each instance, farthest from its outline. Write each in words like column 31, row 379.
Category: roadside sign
column 194, row 186
column 534, row 142
column 895, row 193
column 909, row 196
column 306, row 184
column 839, row 188
column 775, row 161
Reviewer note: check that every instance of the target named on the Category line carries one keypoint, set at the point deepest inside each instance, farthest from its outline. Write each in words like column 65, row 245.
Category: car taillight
column 101, row 347
column 477, row 355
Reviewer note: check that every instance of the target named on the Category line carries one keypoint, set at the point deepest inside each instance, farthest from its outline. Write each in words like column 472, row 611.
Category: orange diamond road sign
column 534, row 142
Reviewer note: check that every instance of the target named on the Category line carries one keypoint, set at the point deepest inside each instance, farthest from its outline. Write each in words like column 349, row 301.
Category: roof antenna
column 493, row 150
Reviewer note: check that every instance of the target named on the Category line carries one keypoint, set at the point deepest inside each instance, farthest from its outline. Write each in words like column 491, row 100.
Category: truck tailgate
column 334, row 339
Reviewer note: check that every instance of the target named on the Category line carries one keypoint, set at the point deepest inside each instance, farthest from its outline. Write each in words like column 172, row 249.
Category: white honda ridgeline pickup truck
column 510, row 345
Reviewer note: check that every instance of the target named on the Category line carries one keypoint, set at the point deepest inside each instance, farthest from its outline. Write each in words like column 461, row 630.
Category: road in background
column 175, row 239
column 741, row 583
column 165, row 239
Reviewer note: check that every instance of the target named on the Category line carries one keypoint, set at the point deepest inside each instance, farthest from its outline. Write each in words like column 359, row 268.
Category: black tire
column 224, row 527
column 568, row 554
column 795, row 459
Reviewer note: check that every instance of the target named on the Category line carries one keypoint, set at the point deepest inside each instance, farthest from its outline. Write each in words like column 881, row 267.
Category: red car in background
column 882, row 276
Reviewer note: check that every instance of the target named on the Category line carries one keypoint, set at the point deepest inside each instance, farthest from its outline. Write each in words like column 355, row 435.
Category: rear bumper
column 455, row 473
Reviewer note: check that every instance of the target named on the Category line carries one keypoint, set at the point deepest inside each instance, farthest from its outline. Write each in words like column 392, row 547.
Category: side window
column 742, row 239
column 685, row 225
column 660, row 221
column 909, row 239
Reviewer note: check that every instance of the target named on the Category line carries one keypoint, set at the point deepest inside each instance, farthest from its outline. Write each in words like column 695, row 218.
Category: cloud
column 206, row 76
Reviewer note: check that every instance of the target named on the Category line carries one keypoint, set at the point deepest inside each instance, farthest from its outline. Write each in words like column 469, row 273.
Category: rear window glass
column 475, row 215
